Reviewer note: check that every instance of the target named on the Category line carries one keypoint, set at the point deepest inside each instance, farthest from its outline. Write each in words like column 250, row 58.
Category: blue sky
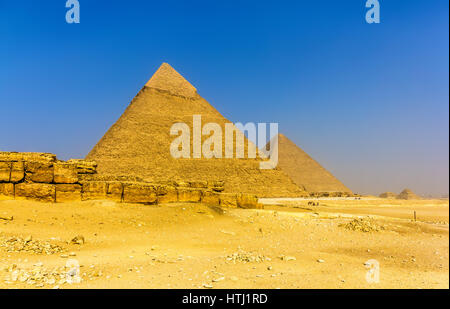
column 370, row 102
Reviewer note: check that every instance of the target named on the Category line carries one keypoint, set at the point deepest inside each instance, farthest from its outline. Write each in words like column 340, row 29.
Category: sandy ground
column 291, row 245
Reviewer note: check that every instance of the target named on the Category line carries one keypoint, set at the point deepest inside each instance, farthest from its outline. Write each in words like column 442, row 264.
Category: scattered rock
column 363, row 225
column 18, row 244
column 218, row 279
column 78, row 240
column 39, row 276
column 287, row 258
column 246, row 257
column 228, row 233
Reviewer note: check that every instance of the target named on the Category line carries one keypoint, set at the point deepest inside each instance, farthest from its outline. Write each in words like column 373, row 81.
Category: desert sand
column 289, row 244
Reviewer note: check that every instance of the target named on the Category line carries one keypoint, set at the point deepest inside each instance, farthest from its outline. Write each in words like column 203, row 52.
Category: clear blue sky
column 368, row 101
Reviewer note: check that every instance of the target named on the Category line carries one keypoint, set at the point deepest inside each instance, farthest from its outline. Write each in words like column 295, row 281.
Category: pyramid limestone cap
column 167, row 79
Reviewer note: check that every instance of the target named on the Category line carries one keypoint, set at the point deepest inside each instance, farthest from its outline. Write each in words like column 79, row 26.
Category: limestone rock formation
column 189, row 195
column 139, row 193
column 37, row 171
column 6, row 190
column 84, row 166
column 11, row 171
column 17, row 171
column 65, row 173
column 247, row 201
column 94, row 190
column 168, row 195
column 211, row 197
column 67, row 193
column 27, row 156
column 138, row 144
column 305, row 171
column 228, row 200
column 42, row 192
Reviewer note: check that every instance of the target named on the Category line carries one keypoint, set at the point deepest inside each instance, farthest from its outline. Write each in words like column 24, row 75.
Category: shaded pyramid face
column 138, row 144
column 304, row 170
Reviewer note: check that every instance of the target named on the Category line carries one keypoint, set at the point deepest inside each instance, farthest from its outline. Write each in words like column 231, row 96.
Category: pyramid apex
column 168, row 79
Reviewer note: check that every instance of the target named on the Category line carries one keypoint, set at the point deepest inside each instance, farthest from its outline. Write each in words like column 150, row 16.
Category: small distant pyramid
column 138, row 144
column 304, row 170
column 408, row 194
column 388, row 195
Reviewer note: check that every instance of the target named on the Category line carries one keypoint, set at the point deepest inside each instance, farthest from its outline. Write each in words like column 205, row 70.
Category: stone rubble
column 363, row 225
column 246, row 257
column 19, row 244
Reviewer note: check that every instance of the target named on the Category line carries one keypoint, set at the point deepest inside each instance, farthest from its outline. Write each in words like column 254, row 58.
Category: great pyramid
column 138, row 144
column 304, row 170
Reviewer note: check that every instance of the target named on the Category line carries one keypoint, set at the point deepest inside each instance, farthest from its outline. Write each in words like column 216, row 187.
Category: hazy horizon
column 369, row 102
